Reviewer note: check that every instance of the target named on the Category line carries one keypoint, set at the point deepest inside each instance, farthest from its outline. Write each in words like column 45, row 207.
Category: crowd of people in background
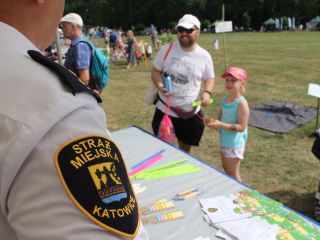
column 118, row 44
column 116, row 39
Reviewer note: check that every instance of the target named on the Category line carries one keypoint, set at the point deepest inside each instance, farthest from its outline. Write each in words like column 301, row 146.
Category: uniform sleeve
column 38, row 205
column 82, row 56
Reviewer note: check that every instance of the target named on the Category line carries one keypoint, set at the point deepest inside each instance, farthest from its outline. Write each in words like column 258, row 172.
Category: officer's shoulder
column 67, row 77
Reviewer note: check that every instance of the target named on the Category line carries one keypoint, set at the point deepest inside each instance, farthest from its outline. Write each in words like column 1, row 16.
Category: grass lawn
column 280, row 66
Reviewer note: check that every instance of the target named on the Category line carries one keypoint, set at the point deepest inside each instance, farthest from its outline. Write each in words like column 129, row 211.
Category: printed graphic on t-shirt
column 182, row 74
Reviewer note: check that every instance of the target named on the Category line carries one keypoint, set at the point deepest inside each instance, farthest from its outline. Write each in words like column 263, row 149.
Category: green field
column 280, row 66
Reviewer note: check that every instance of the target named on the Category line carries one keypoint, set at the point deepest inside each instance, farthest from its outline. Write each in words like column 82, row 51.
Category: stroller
column 138, row 56
column 117, row 55
column 140, row 51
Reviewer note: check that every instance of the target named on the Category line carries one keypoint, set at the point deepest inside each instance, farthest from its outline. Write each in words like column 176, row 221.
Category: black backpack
column 317, row 205
column 316, row 147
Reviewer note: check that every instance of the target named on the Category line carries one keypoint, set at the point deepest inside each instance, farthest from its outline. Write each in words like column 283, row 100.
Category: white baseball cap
column 73, row 18
column 189, row 21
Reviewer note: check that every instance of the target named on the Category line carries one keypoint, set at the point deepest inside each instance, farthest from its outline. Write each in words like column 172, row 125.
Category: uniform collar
column 12, row 37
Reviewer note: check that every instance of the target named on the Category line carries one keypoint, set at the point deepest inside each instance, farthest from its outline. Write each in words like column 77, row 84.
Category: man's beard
column 186, row 42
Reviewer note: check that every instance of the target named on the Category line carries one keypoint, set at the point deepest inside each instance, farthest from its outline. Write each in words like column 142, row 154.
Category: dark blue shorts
column 188, row 131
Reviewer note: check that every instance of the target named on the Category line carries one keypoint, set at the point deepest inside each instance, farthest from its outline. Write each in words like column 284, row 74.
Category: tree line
column 165, row 13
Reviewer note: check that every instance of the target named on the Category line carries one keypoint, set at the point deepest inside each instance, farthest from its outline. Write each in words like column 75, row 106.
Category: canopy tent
column 315, row 20
column 270, row 21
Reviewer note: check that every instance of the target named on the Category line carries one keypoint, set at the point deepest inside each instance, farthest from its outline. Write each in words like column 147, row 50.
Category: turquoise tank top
column 231, row 139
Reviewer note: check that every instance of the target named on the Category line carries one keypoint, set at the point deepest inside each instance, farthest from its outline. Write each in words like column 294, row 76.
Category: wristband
column 207, row 91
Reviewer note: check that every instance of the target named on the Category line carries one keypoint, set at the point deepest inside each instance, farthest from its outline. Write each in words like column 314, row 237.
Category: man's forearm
column 156, row 77
column 208, row 85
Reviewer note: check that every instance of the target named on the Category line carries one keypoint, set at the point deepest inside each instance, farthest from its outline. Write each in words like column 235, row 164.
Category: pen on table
column 189, row 195
column 181, row 194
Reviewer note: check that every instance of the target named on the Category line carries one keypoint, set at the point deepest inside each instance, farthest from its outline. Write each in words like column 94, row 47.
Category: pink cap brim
column 235, row 72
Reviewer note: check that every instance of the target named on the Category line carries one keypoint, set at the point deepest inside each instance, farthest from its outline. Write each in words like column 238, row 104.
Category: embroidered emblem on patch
column 95, row 177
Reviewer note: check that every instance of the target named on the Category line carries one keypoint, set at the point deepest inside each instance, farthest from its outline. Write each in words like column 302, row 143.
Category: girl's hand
column 212, row 123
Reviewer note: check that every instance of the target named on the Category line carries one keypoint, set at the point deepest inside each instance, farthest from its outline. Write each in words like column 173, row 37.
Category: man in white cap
column 61, row 175
column 79, row 54
column 189, row 66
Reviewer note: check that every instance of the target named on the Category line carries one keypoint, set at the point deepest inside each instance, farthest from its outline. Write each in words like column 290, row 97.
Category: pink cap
column 237, row 73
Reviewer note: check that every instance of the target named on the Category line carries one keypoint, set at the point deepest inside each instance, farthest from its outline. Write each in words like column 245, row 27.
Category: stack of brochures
column 249, row 215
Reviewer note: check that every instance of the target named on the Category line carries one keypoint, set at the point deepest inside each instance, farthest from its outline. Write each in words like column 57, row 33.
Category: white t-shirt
column 188, row 70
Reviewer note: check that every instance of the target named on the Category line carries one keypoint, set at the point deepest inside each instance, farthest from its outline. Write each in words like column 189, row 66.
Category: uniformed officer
column 61, row 176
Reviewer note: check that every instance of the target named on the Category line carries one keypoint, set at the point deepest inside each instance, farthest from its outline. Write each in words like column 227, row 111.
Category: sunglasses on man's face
column 186, row 30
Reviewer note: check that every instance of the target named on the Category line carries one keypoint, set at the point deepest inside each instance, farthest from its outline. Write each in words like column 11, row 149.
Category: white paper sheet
column 251, row 229
column 221, row 209
column 222, row 235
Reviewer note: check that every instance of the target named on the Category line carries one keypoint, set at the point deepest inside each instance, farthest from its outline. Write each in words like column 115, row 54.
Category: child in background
column 232, row 121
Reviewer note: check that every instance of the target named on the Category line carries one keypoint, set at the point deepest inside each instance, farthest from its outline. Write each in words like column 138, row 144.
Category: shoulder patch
column 95, row 177
column 68, row 77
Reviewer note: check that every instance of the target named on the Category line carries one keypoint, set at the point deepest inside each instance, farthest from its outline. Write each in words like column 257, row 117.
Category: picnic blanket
column 280, row 117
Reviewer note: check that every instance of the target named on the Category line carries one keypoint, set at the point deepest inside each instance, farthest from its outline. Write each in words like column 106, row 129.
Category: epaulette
column 67, row 77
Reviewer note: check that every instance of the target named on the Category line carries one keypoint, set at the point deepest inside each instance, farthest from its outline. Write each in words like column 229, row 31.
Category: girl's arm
column 243, row 115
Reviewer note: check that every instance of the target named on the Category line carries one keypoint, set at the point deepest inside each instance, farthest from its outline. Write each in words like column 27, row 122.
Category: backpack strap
column 164, row 60
column 90, row 45
column 87, row 42
column 66, row 76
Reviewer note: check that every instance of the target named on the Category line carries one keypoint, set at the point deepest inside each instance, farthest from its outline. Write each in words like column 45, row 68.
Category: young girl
column 233, row 121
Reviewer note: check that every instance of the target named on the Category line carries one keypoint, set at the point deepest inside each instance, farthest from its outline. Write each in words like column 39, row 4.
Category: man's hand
column 163, row 91
column 205, row 99
column 156, row 77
